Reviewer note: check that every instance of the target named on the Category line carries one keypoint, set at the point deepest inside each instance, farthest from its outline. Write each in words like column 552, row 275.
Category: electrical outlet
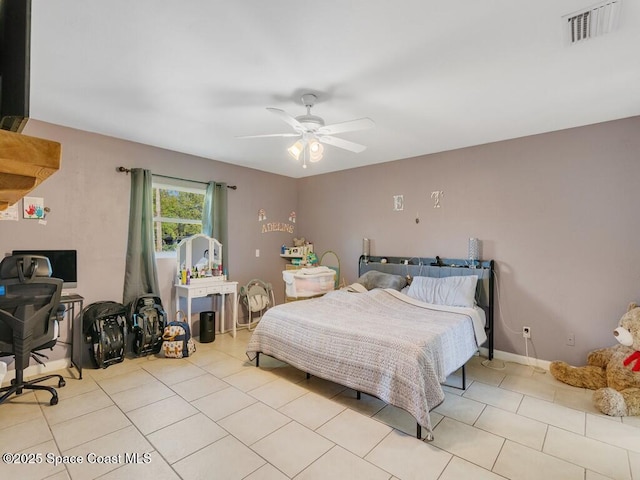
column 571, row 339
column 526, row 332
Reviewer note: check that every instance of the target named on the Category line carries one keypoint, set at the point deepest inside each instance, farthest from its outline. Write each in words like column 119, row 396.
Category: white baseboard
column 513, row 357
column 37, row 369
column 62, row 363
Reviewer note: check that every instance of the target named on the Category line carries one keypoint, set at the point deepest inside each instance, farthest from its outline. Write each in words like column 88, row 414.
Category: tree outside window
column 177, row 211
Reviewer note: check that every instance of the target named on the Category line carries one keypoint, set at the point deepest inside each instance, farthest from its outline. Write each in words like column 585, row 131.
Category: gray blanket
column 373, row 342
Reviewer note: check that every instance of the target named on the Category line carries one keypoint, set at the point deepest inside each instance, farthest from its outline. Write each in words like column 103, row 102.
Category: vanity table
column 202, row 253
column 199, row 290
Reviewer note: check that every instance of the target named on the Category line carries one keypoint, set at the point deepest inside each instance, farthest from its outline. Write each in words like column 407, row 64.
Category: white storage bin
column 308, row 282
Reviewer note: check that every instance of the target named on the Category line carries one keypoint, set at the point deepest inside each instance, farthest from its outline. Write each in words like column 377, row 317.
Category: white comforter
column 379, row 342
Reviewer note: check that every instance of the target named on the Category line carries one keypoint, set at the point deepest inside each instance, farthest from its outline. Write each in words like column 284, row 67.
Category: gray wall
column 558, row 212
column 89, row 202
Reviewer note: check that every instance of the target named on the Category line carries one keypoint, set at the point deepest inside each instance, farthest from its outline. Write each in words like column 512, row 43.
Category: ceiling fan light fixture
column 315, row 151
column 313, row 132
column 296, row 149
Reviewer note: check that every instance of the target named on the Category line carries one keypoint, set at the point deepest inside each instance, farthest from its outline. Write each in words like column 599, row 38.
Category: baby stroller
column 147, row 320
column 256, row 296
column 105, row 327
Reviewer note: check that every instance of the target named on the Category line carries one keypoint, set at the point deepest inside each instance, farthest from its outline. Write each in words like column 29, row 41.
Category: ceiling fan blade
column 348, row 126
column 270, row 135
column 342, row 143
column 298, row 127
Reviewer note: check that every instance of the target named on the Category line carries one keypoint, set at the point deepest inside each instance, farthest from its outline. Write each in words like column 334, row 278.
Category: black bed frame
column 431, row 267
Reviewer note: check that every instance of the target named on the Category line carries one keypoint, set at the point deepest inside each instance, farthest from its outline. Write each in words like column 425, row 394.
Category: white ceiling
column 192, row 75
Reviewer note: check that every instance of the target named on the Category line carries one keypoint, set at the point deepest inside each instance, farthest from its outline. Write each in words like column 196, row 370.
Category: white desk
column 199, row 290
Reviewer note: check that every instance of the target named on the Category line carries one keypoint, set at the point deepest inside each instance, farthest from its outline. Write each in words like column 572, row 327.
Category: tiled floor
column 216, row 416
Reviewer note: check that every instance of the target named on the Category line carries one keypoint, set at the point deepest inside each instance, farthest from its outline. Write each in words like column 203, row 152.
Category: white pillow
column 450, row 291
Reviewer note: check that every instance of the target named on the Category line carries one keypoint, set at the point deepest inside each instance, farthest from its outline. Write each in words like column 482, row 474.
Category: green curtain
column 214, row 217
column 141, row 274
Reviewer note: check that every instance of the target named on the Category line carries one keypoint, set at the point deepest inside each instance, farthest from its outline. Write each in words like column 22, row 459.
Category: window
column 177, row 211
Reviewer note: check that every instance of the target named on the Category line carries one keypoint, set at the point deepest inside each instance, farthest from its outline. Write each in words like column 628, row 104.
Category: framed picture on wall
column 33, row 207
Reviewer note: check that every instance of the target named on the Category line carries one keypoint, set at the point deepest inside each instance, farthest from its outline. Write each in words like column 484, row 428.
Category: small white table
column 198, row 290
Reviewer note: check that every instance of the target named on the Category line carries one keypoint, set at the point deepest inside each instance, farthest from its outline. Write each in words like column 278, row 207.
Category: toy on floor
column 614, row 372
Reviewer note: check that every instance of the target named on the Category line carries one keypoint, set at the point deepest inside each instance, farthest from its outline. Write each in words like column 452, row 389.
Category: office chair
column 28, row 302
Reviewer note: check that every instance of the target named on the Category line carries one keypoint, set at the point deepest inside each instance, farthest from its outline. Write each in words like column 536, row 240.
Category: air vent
column 592, row 22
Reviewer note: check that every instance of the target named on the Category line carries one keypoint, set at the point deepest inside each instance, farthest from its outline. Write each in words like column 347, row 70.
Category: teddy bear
column 614, row 372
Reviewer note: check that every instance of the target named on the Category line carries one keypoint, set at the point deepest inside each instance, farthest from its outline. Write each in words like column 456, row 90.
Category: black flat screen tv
column 64, row 264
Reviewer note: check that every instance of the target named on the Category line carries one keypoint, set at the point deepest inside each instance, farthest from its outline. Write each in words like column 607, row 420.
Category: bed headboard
column 440, row 267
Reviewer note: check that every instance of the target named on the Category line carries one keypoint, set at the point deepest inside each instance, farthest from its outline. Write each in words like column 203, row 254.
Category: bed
column 397, row 343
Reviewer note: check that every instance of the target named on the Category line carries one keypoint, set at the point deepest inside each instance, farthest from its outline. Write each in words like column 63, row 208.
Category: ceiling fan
column 313, row 132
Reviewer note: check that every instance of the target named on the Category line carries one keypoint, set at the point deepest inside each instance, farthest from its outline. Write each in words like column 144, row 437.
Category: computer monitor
column 64, row 264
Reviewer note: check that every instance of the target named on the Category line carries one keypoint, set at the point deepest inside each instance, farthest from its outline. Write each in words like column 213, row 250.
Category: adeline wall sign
column 267, row 227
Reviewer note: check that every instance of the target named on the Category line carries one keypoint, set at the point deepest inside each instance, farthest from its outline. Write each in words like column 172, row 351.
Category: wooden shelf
column 25, row 162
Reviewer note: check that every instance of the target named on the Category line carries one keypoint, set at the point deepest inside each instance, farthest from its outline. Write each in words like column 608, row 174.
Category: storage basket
column 308, row 282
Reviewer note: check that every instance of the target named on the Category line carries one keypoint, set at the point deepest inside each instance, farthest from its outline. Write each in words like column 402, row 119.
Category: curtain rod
column 127, row 170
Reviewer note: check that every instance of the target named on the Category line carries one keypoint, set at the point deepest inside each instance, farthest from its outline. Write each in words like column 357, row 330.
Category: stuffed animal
column 312, row 259
column 614, row 372
column 299, row 242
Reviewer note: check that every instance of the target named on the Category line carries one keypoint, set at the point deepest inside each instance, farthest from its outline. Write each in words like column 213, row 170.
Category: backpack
column 147, row 320
column 104, row 325
column 177, row 340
